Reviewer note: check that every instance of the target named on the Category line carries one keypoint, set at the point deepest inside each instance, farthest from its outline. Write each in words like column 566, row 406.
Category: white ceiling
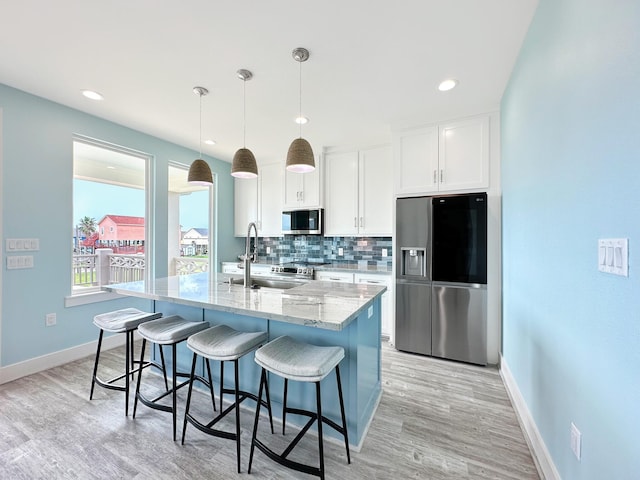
column 374, row 65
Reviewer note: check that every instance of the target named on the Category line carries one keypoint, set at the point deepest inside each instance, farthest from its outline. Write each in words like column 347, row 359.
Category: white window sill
column 87, row 298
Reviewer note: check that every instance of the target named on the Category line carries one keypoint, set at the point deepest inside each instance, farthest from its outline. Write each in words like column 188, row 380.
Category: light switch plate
column 613, row 256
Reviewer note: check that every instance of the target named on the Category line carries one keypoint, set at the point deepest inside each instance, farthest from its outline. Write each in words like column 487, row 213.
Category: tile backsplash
column 363, row 251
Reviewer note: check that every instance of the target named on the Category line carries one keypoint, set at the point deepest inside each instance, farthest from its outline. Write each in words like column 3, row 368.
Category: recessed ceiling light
column 301, row 120
column 92, row 95
column 210, row 142
column 447, row 84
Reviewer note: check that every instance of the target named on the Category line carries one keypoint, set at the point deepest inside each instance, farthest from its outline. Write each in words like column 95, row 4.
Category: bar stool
column 166, row 331
column 224, row 344
column 124, row 321
column 302, row 362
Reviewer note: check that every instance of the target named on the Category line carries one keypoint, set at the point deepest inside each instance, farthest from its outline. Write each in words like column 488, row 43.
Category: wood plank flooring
column 436, row 420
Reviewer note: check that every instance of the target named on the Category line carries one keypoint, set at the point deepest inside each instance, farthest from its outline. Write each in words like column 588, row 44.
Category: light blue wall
column 571, row 175
column 37, row 200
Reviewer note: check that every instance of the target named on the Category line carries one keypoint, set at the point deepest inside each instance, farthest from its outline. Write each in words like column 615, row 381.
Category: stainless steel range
column 300, row 270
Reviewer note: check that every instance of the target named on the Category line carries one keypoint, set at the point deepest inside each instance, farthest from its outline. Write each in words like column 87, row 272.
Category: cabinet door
column 341, row 196
column 386, row 307
column 375, row 192
column 302, row 190
column 464, row 154
column 270, row 204
column 340, row 277
column 245, row 198
column 416, row 161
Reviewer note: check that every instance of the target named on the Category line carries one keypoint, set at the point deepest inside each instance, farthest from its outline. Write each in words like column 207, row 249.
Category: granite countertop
column 326, row 305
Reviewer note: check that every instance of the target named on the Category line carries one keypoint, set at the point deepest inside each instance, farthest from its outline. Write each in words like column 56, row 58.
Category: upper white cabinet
column 302, row 190
column 358, row 192
column 245, row 198
column 259, row 200
column 270, row 200
column 452, row 156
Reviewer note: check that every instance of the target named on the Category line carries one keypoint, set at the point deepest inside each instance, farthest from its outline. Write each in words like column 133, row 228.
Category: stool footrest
column 153, row 403
column 300, row 467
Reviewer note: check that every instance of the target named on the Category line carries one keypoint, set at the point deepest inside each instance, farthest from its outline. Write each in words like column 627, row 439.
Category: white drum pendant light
column 199, row 171
column 300, row 156
column 244, row 163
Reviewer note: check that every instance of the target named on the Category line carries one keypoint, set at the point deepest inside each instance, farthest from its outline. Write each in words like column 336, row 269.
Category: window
column 189, row 217
column 110, row 215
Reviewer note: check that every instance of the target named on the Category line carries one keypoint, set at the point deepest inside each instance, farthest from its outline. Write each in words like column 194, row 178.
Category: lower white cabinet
column 368, row 278
column 386, row 306
column 342, row 277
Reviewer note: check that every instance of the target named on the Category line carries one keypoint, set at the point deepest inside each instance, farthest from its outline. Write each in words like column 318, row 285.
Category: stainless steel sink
column 262, row 282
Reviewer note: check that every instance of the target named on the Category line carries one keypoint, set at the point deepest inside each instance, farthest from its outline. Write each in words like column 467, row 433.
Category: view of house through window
column 189, row 229
column 109, row 224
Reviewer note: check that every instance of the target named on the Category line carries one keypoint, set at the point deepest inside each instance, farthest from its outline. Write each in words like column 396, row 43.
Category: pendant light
column 300, row 156
column 199, row 171
column 244, row 163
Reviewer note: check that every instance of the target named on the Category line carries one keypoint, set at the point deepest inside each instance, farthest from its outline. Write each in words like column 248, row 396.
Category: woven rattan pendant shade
column 244, row 164
column 200, row 173
column 300, row 157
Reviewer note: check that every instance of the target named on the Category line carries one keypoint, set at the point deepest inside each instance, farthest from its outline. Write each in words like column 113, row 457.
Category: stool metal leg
column 237, row 383
column 127, row 370
column 174, row 392
column 213, row 397
column 135, row 400
column 95, row 365
column 319, row 422
column 186, row 408
column 263, row 381
column 344, row 419
column 266, row 392
column 164, row 370
column 284, row 404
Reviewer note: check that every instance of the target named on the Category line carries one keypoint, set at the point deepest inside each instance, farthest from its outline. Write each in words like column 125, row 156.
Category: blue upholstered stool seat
column 223, row 343
column 126, row 321
column 166, row 331
column 302, row 362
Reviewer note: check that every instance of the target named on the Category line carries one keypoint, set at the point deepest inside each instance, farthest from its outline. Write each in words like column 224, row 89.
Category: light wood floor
column 436, row 420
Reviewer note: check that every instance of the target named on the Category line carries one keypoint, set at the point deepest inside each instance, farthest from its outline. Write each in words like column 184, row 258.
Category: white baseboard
column 38, row 364
column 541, row 457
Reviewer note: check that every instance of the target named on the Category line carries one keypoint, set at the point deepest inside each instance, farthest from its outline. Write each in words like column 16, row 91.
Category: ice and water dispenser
column 413, row 262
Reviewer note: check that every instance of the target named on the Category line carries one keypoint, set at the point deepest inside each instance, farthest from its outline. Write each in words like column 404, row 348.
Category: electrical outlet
column 384, row 252
column 268, row 250
column 50, row 319
column 340, row 251
column 576, row 440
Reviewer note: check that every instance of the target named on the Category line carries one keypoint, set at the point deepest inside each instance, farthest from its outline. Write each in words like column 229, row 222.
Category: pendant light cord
column 200, row 138
column 300, row 117
column 244, row 113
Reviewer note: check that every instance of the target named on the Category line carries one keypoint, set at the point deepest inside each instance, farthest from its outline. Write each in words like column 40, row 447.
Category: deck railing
column 105, row 267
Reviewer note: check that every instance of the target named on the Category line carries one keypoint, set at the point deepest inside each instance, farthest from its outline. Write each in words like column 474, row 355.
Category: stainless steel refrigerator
column 441, row 276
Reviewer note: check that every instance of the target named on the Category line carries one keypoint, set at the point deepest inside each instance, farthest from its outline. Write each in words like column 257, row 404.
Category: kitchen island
column 321, row 313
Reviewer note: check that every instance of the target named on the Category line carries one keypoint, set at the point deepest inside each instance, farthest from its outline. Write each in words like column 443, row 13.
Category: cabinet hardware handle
column 361, row 223
column 435, row 176
column 441, row 175
column 355, row 222
column 334, row 279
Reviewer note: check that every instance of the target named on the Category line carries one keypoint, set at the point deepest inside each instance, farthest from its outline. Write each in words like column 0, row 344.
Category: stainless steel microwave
column 303, row 222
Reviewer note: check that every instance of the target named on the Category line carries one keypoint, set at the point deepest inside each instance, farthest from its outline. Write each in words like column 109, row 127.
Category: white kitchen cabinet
column 358, row 192
column 386, row 313
column 245, row 199
column 270, row 200
column 416, row 160
column 303, row 190
column 463, row 153
column 342, row 277
column 452, row 156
